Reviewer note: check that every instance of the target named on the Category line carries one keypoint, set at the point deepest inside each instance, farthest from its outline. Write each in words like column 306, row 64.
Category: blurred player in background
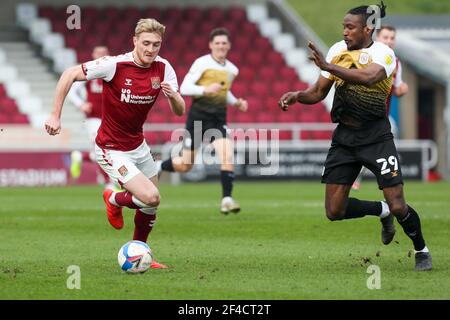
column 87, row 96
column 363, row 73
column 386, row 35
column 208, row 81
column 131, row 85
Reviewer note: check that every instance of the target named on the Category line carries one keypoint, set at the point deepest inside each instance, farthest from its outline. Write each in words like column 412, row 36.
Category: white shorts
column 122, row 166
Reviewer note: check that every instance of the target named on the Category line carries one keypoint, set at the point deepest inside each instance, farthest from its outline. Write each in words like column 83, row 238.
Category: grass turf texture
column 326, row 16
column 279, row 247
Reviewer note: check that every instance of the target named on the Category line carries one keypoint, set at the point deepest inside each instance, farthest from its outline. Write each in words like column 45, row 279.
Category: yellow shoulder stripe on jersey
column 388, row 59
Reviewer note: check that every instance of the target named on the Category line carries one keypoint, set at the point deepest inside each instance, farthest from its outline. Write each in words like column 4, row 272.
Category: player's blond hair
column 149, row 25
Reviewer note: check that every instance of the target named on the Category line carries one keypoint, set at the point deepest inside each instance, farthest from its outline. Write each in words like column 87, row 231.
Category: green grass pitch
column 280, row 246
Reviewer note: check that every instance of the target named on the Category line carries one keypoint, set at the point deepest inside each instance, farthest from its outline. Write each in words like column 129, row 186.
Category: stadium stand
column 265, row 55
column 9, row 111
column 10, row 90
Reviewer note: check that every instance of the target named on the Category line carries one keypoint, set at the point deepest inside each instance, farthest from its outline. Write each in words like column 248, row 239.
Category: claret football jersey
column 129, row 92
column 359, row 102
column 94, row 89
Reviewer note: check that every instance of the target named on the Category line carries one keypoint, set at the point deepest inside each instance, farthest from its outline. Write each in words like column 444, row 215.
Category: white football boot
column 229, row 205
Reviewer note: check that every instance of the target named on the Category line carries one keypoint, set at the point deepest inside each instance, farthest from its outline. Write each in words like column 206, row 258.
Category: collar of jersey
column 139, row 65
column 221, row 64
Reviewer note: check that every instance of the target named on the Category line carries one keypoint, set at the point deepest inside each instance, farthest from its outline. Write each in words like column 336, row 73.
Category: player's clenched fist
column 241, row 104
column 53, row 125
column 167, row 89
column 287, row 99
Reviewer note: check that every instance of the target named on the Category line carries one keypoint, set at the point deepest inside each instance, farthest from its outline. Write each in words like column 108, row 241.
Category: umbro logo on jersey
column 128, row 82
column 156, row 82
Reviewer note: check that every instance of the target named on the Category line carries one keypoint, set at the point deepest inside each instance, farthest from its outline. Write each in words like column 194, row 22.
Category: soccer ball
column 135, row 257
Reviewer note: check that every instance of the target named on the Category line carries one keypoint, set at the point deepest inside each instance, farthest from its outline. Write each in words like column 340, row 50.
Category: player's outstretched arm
column 176, row 101
column 241, row 105
column 53, row 123
column 317, row 92
column 366, row 76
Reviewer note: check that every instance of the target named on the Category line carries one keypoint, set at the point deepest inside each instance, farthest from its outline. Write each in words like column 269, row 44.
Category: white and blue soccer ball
column 135, row 257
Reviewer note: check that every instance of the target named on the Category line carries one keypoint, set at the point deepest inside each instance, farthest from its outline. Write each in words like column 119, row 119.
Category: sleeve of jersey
column 385, row 57
column 231, row 99
column 170, row 77
column 189, row 87
column 103, row 68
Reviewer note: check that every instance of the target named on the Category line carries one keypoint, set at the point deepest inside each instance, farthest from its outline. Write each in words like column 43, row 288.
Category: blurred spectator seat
column 17, row 89
column 38, row 29
column 29, row 105
column 25, row 14
column 63, row 59
column 7, row 73
column 52, row 42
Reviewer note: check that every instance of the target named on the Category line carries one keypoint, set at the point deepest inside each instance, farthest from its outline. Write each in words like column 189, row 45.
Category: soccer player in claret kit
column 131, row 85
column 362, row 70
column 208, row 81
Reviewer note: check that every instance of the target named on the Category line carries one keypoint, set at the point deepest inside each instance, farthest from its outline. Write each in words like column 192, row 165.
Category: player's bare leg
column 144, row 191
column 408, row 218
column 336, row 197
column 339, row 206
column 140, row 193
column 182, row 163
column 145, row 199
column 185, row 162
column 225, row 153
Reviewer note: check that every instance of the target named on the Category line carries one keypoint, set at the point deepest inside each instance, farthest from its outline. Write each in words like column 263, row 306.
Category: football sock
column 167, row 165
column 412, row 228
column 126, row 199
column 143, row 224
column 226, row 177
column 359, row 208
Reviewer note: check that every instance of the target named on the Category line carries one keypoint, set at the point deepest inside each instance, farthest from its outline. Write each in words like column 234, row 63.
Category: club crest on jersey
column 363, row 58
column 156, row 82
column 128, row 82
column 123, row 171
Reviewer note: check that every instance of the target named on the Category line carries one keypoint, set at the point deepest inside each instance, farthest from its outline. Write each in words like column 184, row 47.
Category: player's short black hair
column 365, row 13
column 219, row 32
